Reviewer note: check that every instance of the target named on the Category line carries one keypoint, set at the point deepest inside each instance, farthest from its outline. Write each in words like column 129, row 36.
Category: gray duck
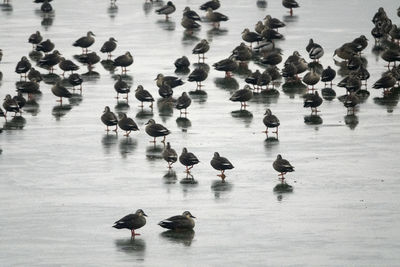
column 188, row 159
column 179, row 222
column 132, row 222
column 183, row 102
column 283, row 166
column 143, row 96
column 127, row 124
column 242, row 96
column 271, row 121
column 156, row 130
column 109, row 119
column 221, row 164
column 85, row 42
column 169, row 155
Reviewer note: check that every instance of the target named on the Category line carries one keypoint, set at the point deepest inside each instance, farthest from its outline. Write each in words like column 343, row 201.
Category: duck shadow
column 179, row 237
column 16, row 123
column 216, row 32
column 126, row 146
column 183, row 122
column 351, row 121
column 170, row 177
column 269, row 96
column 389, row 101
column 135, row 246
column 283, row 188
column 229, row 84
column 7, row 8
column 313, row 119
column 189, row 38
column 75, row 99
column 51, row 78
column 125, row 77
column 290, row 19
column 166, row 25
column 219, row 187
column 61, row 110
column 270, row 142
column 188, row 180
column 47, row 21
column 154, row 152
column 90, row 76
column 291, row 87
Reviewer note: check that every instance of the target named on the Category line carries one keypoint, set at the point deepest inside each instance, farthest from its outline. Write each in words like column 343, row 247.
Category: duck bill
column 144, row 214
column 191, row 216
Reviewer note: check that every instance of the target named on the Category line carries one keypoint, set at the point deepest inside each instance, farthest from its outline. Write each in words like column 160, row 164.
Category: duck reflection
column 229, row 84
column 262, row 4
column 328, row 94
column 198, row 96
column 144, row 114
column 313, row 119
column 182, row 71
column 112, row 10
column 47, row 21
column 243, row 115
column 32, row 107
column 61, row 110
column 122, row 106
column 291, row 87
column 243, row 71
column 6, row 7
column 189, row 38
column 170, row 177
column 166, row 107
column 351, row 121
column 188, row 180
column 389, row 101
column 108, row 141
column 147, row 6
column 108, row 65
column 283, row 188
column 134, row 246
column 75, row 99
column 35, row 55
column 265, row 98
column 51, row 78
column 166, row 25
column 183, row 122
column 290, row 19
column 154, row 152
column 90, row 75
column 16, row 123
column 125, row 77
column 219, row 187
column 179, row 237
column 202, row 65
column 216, row 32
column 127, row 146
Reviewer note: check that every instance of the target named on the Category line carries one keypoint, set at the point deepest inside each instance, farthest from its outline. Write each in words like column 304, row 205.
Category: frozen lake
column 64, row 181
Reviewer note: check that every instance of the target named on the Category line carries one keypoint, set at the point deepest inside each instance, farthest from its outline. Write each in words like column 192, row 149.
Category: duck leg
column 276, row 132
column 222, row 175
column 163, row 141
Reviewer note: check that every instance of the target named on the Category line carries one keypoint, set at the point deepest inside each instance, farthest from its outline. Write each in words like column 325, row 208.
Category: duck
column 23, row 66
column 182, row 222
column 221, row 164
column 67, row 65
column 143, row 96
column 282, row 166
column 21, row 101
column 215, row 17
column 171, row 81
column 253, row 78
column 132, row 222
column 290, row 4
column 165, row 91
column 121, row 87
column 109, row 119
column 127, row 124
column 10, row 105
column 169, row 155
column 360, row 43
column 391, row 55
column 45, row 46
column 166, row 10
column 109, row 46
column 85, row 42
column 386, row 82
column 60, row 91
column 34, row 74
column 30, row 87
column 328, row 75
column 315, row 51
column 242, row 96
column 35, row 39
column 46, row 7
column 183, row 102
column 350, row 102
column 311, row 78
column 271, row 121
column 272, row 58
column 273, row 23
column 50, row 60
column 182, row 63
column 156, row 130
column 90, row 59
column 123, row 61
column 313, row 101
column 227, row 65
column 200, row 49
column 251, row 37
column 198, row 75
column 188, row 159
column 213, row 4
column 189, row 24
